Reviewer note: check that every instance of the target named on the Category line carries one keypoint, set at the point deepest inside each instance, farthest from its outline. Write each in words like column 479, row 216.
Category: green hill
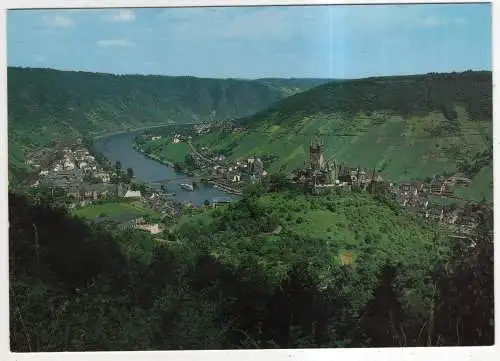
column 407, row 127
column 291, row 86
column 277, row 230
column 46, row 105
column 344, row 270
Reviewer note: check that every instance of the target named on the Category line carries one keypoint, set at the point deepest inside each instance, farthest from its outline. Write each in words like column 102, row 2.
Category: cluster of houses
column 73, row 169
column 229, row 174
column 201, row 128
column 430, row 200
column 204, row 128
column 76, row 158
column 239, row 172
column 237, row 130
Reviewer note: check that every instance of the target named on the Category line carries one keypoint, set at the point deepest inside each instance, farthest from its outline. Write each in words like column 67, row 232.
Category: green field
column 165, row 150
column 111, row 209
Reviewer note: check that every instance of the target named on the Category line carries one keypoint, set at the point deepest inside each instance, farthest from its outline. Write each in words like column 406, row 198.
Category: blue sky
column 251, row 42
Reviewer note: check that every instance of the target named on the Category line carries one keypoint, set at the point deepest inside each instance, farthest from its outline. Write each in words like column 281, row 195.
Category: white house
column 103, row 176
column 68, row 164
column 132, row 194
column 236, row 178
column 152, row 228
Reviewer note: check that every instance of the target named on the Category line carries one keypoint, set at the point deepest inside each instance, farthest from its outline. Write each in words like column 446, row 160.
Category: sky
column 343, row 41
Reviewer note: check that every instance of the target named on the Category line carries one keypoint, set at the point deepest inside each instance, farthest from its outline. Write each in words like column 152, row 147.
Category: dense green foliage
column 410, row 127
column 278, row 268
column 294, row 85
column 405, row 95
column 222, row 279
column 45, row 105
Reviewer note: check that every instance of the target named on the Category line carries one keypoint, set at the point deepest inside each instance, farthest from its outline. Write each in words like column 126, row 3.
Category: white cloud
column 114, row 42
column 59, row 21
column 123, row 15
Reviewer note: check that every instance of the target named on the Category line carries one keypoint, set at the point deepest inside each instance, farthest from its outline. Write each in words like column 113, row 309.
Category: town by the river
column 119, row 147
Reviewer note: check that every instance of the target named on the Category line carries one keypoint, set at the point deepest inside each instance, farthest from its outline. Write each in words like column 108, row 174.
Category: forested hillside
column 408, row 127
column 352, row 271
column 46, row 105
column 294, row 85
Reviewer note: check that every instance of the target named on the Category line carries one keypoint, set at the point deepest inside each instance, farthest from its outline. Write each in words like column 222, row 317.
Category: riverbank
column 153, row 157
column 124, row 131
column 148, row 168
column 226, row 189
column 218, row 185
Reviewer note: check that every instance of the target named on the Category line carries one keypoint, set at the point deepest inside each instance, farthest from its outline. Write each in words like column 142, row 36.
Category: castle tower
column 316, row 156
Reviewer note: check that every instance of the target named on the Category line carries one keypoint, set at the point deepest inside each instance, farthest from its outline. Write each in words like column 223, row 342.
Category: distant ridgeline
column 403, row 95
column 406, row 127
column 46, row 105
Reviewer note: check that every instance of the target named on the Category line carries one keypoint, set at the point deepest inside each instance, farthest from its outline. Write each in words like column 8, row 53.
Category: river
column 119, row 147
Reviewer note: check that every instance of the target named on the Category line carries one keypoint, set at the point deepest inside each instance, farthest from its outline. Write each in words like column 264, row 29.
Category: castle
column 322, row 174
column 316, row 156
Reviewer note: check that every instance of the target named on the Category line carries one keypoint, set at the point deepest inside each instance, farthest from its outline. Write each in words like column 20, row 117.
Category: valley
column 356, row 200
column 47, row 105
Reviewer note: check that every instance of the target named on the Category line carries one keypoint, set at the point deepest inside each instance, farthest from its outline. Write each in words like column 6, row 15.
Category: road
column 199, row 155
column 123, row 131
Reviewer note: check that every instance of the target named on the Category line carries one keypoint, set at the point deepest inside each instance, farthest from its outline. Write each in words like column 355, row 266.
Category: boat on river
column 187, row 187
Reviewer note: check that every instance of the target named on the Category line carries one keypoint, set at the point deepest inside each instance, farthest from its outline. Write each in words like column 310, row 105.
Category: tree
column 130, row 173
column 465, row 312
column 189, row 162
column 178, row 167
column 118, row 167
column 118, row 173
column 380, row 324
column 278, row 182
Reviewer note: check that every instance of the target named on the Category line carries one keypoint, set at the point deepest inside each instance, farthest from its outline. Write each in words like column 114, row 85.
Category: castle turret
column 316, row 156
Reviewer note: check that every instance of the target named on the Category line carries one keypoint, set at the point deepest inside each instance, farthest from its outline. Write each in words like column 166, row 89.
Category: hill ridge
column 47, row 104
column 407, row 127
